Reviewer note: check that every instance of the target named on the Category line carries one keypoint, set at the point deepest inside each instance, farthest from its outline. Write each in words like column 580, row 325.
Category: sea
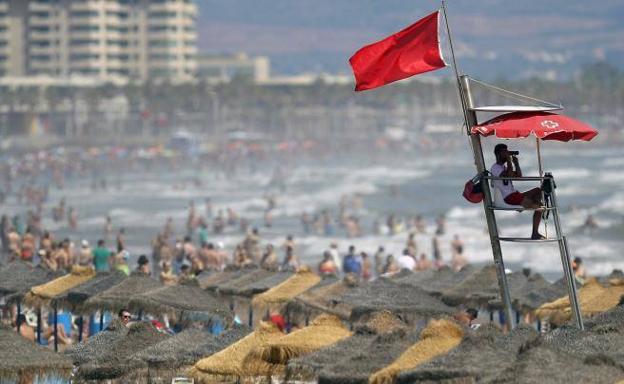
column 589, row 181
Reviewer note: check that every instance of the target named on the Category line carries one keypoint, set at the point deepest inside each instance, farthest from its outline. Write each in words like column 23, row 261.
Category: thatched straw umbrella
column 536, row 292
column 114, row 361
column 238, row 284
column 322, row 299
column 73, row 298
column 43, row 294
column 467, row 292
column 603, row 337
column 238, row 291
column 98, row 344
column 303, row 280
column 436, row 281
column 373, row 346
column 438, row 338
column 263, row 285
column 20, row 358
column 271, row 358
column 228, row 363
column 185, row 301
column 16, row 278
column 212, row 281
column 538, row 362
column 593, row 299
column 410, row 302
column 118, row 296
column 185, row 349
column 481, row 357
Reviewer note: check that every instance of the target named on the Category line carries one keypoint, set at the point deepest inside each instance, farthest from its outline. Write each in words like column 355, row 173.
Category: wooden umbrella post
column 18, row 323
column 39, row 325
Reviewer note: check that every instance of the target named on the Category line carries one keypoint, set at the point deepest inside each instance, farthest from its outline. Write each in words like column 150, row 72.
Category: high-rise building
column 103, row 39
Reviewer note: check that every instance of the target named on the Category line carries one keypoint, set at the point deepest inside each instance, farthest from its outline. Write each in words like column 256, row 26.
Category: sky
column 493, row 38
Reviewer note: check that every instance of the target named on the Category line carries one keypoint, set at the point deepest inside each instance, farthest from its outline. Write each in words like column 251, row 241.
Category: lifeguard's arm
column 516, row 163
column 508, row 169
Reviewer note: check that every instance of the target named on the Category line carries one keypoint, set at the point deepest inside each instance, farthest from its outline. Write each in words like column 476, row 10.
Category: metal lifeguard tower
column 522, row 122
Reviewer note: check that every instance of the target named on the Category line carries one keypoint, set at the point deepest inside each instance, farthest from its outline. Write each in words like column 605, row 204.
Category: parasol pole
column 470, row 119
column 539, row 156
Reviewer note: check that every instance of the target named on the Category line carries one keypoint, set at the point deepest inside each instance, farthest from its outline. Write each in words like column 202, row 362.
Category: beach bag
column 473, row 191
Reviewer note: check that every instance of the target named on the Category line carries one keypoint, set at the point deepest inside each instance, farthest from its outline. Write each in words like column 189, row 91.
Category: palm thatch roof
column 262, row 285
column 43, row 294
column 410, row 302
column 539, row 362
column 469, row 290
column 118, row 296
column 481, row 357
column 238, row 284
column 16, row 278
column 593, row 299
column 188, row 347
column 300, row 282
column 436, row 281
column 97, row 345
column 373, row 345
column 73, row 298
column 536, row 292
column 212, row 281
column 115, row 361
column 19, row 357
column 271, row 358
column 228, row 363
column 321, row 298
column 187, row 301
column 603, row 337
column 253, row 282
column 438, row 338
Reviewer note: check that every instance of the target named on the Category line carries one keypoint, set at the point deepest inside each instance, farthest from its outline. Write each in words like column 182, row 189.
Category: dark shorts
column 514, row 198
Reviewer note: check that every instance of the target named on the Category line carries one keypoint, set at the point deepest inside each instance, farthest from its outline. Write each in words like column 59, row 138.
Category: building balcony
column 117, row 64
column 84, row 6
column 190, row 36
column 41, row 50
column 85, row 49
column 85, row 64
column 170, row 6
column 43, row 64
column 170, row 22
column 42, row 35
column 38, row 6
column 42, row 21
column 86, row 35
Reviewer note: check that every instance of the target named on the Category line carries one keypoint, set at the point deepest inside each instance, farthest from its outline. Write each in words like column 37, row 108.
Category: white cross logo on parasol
column 549, row 124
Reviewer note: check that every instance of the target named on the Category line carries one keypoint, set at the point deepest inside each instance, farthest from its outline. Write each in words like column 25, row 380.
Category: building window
column 85, row 28
column 85, row 14
column 84, row 56
column 83, row 42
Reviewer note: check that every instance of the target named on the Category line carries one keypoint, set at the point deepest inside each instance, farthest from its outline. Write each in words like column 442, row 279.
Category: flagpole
column 470, row 117
column 456, row 70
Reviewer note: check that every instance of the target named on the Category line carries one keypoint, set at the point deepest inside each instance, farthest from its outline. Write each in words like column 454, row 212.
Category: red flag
column 414, row 50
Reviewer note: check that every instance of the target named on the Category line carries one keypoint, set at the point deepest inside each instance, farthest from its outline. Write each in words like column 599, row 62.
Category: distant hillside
column 493, row 38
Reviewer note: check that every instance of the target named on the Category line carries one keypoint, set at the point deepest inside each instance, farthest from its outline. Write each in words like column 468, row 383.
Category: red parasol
column 543, row 125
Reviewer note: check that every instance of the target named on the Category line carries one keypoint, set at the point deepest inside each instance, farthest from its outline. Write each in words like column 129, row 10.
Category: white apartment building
column 101, row 39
